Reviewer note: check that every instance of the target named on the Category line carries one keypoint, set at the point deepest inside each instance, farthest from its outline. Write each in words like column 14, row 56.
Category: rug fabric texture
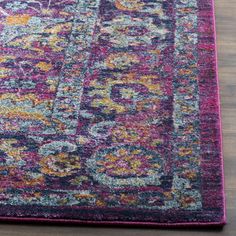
column 109, row 112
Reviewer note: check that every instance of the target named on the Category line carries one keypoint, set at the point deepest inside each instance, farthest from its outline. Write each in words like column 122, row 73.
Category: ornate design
column 126, row 166
column 58, row 159
column 124, row 92
column 101, row 109
column 18, row 163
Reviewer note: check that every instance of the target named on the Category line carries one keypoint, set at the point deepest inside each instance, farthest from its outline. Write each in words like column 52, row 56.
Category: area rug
column 109, row 113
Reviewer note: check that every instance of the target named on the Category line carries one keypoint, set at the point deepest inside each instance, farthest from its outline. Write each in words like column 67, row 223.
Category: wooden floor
column 226, row 31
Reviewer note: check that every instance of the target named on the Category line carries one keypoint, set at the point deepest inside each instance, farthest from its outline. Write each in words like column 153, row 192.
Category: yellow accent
column 46, row 11
column 58, row 28
column 18, row 112
column 7, row 145
column 6, row 58
column 128, row 198
column 111, row 163
column 122, row 152
column 121, row 60
column 51, row 164
column 82, row 139
column 135, row 5
column 18, row 19
column 108, row 103
column 185, row 151
column 44, row 66
column 26, row 42
column 53, row 42
column 21, row 98
column 100, row 203
column 135, row 152
column 84, row 195
column 131, row 78
column 4, row 72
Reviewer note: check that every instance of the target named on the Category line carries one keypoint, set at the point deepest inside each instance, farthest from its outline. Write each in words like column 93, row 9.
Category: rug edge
column 111, row 223
column 154, row 224
column 219, row 112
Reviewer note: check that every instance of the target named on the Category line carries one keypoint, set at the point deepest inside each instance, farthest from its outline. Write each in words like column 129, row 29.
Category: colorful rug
column 109, row 112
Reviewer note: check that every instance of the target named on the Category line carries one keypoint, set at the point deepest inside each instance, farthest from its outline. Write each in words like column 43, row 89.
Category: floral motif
column 103, row 110
column 18, row 163
column 126, row 165
column 58, row 159
column 123, row 93
column 125, row 30
column 121, row 60
column 140, row 6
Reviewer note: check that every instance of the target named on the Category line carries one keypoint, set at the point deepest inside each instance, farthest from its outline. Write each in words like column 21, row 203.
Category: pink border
column 150, row 224
column 219, row 111
column 107, row 223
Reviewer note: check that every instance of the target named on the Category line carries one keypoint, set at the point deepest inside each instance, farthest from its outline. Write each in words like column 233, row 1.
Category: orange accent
column 100, row 203
column 44, row 66
column 55, row 161
column 83, row 195
column 128, row 199
column 185, row 72
column 185, row 151
column 18, row 19
column 190, row 175
column 136, row 5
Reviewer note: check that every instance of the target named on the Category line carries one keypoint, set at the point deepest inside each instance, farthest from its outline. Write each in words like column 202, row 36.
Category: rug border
column 219, row 112
column 151, row 224
column 109, row 223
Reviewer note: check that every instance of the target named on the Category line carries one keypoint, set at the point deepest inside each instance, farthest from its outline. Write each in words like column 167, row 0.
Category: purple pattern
column 110, row 113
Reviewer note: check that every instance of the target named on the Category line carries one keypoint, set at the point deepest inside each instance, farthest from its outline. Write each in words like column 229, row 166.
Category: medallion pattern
column 100, row 104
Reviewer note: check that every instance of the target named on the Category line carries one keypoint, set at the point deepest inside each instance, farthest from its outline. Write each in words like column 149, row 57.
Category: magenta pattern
column 109, row 112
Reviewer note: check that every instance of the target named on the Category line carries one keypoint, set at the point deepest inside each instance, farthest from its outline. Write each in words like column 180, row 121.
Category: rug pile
column 109, row 112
